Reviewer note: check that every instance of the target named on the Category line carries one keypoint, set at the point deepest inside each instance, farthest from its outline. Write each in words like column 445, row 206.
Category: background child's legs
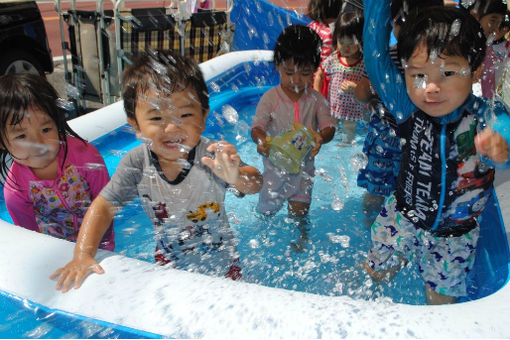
column 298, row 209
column 349, row 128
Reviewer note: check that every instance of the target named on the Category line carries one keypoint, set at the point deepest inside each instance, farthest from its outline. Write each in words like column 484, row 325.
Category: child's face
column 348, row 47
column 34, row 142
column 437, row 86
column 491, row 25
column 294, row 78
column 172, row 124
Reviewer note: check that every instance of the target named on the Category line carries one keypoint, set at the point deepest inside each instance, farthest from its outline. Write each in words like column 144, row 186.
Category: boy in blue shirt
column 443, row 184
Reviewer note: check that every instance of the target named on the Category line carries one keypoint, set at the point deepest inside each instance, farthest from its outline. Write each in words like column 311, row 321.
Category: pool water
column 337, row 237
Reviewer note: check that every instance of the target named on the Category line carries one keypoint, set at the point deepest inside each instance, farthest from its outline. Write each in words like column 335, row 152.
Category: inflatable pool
column 136, row 298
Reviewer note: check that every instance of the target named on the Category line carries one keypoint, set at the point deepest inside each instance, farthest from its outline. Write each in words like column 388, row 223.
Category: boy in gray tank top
column 180, row 176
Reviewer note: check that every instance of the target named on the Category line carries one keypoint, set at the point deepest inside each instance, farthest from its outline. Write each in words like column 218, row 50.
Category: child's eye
column 22, row 136
column 184, row 115
column 155, row 119
column 418, row 76
column 46, row 130
column 448, row 73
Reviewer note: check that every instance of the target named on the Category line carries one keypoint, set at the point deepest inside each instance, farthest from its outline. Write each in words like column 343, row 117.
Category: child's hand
column 348, row 86
column 76, row 271
column 263, row 148
column 492, row 145
column 317, row 139
column 226, row 161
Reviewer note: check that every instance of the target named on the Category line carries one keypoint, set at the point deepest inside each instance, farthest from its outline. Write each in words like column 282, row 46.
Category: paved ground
column 50, row 17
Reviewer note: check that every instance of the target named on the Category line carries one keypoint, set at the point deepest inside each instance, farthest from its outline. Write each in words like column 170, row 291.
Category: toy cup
column 289, row 149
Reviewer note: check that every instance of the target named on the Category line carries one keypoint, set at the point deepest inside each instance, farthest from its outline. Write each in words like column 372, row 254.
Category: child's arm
column 322, row 137
column 363, row 92
column 98, row 218
column 384, row 75
column 317, row 82
column 259, row 137
column 20, row 207
column 225, row 165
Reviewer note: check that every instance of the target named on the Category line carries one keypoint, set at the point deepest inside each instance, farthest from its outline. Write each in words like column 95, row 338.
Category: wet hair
column 400, row 9
column 19, row 93
column 166, row 72
column 349, row 24
column 321, row 10
column 300, row 44
column 485, row 7
column 445, row 30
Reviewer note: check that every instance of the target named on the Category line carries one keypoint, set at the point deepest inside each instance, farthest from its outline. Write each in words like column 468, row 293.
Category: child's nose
column 432, row 87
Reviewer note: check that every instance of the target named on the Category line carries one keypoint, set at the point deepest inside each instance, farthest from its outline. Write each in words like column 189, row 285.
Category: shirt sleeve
column 19, row 206
column 263, row 112
column 384, row 75
column 95, row 171
column 324, row 118
column 122, row 188
column 502, row 126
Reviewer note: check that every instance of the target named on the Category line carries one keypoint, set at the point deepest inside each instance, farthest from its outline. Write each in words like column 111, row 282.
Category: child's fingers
column 492, row 145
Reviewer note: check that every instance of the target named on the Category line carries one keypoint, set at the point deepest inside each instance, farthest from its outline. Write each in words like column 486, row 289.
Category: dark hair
column 485, row 7
column 300, row 44
column 445, row 30
column 400, row 9
column 18, row 93
column 166, row 72
column 320, row 10
column 349, row 24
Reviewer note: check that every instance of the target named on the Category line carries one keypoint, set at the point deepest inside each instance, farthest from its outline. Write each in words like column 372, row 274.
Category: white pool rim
column 173, row 303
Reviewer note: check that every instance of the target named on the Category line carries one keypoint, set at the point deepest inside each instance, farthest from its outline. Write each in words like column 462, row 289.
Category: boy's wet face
column 438, row 85
column 34, row 142
column 295, row 78
column 172, row 125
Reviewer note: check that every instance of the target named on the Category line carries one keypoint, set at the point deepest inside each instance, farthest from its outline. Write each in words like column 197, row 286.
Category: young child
column 323, row 14
column 55, row 174
column 382, row 144
column 493, row 17
column 346, row 68
column 296, row 57
column 443, row 182
column 180, row 176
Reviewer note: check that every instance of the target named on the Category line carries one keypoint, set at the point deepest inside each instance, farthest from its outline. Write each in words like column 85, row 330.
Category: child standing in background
column 493, row 17
column 346, row 69
column 296, row 57
column 55, row 174
column 180, row 176
column 324, row 14
column 444, row 183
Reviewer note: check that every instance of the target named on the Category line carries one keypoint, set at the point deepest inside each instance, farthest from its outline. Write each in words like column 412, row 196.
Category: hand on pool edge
column 76, row 271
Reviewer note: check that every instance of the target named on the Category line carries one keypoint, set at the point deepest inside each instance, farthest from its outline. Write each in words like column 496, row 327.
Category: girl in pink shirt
column 55, row 174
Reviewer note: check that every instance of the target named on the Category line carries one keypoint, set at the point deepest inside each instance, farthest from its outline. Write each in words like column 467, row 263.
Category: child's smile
column 171, row 126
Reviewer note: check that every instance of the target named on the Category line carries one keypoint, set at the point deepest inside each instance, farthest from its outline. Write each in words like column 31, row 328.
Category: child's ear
column 133, row 124
column 477, row 74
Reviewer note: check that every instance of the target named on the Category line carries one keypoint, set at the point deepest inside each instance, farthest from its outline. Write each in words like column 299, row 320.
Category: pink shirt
column 496, row 59
column 57, row 207
column 324, row 31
